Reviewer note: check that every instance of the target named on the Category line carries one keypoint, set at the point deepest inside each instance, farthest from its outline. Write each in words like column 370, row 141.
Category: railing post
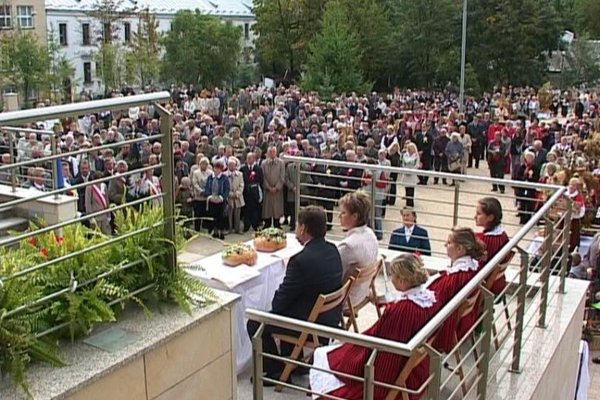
column 297, row 191
column 566, row 237
column 486, row 341
column 435, row 369
column 520, row 312
column 13, row 171
column 257, row 364
column 168, row 181
column 456, row 200
column 373, row 204
column 545, row 273
column 55, row 164
column 368, row 387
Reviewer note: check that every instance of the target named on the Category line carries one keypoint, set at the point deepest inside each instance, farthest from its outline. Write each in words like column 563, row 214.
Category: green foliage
column 246, row 74
column 333, row 54
column 200, row 49
column 582, row 64
column 143, row 55
column 24, row 62
column 506, row 40
column 86, row 289
column 588, row 13
column 285, row 28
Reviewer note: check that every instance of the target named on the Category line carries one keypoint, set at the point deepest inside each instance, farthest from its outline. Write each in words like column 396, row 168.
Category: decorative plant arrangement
column 84, row 288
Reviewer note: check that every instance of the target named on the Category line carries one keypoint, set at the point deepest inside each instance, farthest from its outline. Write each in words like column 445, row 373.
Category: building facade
column 23, row 15
column 76, row 29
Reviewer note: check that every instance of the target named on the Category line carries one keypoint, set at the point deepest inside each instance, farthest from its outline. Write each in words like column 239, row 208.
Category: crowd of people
column 243, row 137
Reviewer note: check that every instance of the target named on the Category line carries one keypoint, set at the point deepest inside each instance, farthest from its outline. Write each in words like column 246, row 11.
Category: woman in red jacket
column 413, row 307
column 488, row 216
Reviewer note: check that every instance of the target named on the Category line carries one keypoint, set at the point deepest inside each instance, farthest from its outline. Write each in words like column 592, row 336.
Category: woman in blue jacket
column 217, row 193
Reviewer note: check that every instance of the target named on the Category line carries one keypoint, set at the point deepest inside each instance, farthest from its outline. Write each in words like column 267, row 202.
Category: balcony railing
column 535, row 278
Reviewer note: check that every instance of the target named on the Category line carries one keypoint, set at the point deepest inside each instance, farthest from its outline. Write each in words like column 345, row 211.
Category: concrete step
column 13, row 224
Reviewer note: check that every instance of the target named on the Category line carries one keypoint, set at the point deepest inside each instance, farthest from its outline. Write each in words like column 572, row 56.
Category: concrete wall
column 198, row 361
column 51, row 210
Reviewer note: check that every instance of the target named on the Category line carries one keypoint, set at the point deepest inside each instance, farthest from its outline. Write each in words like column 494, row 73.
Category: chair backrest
column 498, row 272
column 415, row 359
column 468, row 305
column 327, row 302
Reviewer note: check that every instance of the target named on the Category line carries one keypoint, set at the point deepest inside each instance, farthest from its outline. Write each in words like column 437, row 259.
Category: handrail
column 424, row 333
column 77, row 152
column 326, row 331
column 86, row 107
column 474, row 283
column 434, row 174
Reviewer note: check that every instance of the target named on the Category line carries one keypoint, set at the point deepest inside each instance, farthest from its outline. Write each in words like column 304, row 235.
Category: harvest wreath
column 270, row 240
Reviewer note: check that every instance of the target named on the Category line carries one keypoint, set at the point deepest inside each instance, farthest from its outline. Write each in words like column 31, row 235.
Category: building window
column 246, row 31
column 25, row 17
column 87, row 73
column 62, row 34
column 5, row 21
column 127, row 29
column 106, row 32
column 85, row 34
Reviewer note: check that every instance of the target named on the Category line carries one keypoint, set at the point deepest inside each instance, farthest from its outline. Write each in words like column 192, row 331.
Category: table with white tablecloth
column 534, row 247
column 255, row 284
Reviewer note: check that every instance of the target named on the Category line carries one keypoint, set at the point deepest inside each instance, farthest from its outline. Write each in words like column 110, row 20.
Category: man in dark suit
column 410, row 237
column 316, row 270
column 83, row 176
column 253, row 193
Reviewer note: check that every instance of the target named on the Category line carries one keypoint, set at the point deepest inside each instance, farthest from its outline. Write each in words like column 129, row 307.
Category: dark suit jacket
column 419, row 241
column 316, row 270
column 80, row 192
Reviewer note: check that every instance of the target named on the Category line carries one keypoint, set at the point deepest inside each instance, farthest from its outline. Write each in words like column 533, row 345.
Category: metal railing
column 166, row 194
column 494, row 344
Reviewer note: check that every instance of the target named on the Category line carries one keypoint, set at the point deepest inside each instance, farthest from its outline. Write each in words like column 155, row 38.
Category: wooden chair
column 324, row 303
column 362, row 276
column 464, row 310
column 495, row 276
column 415, row 359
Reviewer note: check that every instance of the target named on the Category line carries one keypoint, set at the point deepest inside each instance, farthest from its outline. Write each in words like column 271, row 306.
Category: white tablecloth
column 256, row 285
column 536, row 243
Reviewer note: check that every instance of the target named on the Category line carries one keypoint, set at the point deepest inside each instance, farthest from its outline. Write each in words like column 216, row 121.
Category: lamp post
column 463, row 54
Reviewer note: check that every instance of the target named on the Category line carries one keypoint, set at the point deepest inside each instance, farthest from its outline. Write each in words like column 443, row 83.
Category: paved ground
column 434, row 207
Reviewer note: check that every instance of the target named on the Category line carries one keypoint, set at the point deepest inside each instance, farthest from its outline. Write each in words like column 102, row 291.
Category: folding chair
column 464, row 310
column 415, row 359
column 324, row 303
column 496, row 275
column 362, row 276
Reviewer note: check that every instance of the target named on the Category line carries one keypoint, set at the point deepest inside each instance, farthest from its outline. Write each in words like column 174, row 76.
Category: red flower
column 60, row 239
column 32, row 241
column 417, row 254
column 44, row 252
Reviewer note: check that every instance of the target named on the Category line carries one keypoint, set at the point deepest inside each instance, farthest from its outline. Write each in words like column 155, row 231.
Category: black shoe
column 222, row 236
column 215, row 235
column 494, row 190
column 435, row 182
column 501, row 191
column 596, row 360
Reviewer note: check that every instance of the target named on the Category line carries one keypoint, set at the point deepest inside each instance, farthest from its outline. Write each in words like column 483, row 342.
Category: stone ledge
column 87, row 364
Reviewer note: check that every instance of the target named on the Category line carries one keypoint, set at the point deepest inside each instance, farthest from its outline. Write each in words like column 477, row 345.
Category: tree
column 333, row 54
column 285, row 29
column 144, row 50
column 506, row 40
column 372, row 26
column 589, row 15
column 200, row 49
column 110, row 56
column 24, row 63
column 582, row 64
column 427, row 39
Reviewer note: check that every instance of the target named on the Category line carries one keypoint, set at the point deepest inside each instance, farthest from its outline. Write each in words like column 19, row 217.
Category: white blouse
column 358, row 249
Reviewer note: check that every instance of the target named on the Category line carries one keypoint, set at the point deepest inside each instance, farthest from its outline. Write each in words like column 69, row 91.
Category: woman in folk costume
column 96, row 200
column 464, row 250
column 578, row 212
column 488, row 215
column 413, row 307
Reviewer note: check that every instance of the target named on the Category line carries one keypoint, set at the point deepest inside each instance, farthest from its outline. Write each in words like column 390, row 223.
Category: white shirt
column 358, row 249
column 408, row 230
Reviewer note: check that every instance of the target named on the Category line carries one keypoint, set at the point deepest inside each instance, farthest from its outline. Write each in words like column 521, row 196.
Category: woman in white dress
column 410, row 160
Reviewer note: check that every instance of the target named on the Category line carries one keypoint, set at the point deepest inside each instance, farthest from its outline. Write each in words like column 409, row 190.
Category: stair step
column 10, row 223
column 5, row 238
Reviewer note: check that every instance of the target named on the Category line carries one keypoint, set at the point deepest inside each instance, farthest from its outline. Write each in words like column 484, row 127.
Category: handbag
column 454, row 165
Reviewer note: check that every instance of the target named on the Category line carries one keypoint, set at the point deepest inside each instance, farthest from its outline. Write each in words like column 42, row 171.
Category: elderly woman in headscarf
column 454, row 152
